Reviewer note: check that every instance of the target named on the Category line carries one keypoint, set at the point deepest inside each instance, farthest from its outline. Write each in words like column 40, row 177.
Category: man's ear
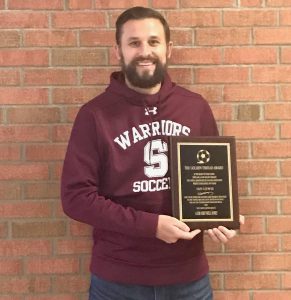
column 169, row 49
column 117, row 52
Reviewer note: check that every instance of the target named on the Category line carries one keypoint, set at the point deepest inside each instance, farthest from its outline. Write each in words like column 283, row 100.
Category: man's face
column 143, row 52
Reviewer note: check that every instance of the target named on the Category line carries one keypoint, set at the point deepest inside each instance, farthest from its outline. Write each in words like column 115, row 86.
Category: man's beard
column 145, row 80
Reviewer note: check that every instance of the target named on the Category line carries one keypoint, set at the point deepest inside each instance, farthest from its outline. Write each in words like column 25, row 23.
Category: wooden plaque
column 204, row 181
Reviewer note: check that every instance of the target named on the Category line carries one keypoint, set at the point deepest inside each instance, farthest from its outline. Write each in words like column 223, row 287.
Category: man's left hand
column 222, row 234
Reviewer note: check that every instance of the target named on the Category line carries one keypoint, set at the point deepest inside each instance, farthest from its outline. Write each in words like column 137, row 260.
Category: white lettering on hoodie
column 143, row 131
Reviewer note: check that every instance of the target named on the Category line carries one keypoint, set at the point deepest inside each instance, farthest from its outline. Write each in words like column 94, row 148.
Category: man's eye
column 134, row 44
column 154, row 42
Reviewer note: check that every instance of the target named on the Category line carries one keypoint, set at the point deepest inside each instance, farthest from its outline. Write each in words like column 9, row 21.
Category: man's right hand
column 170, row 230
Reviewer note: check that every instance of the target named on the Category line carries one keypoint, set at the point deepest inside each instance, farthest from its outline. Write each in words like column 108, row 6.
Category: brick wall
column 56, row 55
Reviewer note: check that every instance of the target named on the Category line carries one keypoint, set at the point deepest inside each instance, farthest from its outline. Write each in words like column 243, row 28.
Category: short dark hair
column 139, row 13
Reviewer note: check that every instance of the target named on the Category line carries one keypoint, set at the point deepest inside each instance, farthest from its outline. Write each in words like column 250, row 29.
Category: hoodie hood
column 118, row 86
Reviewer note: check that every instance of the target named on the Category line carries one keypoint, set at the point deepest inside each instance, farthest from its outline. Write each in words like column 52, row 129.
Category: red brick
column 10, row 267
column 229, row 263
column 10, row 191
column 242, row 150
column 250, row 130
column 286, row 55
column 110, row 4
column 54, row 297
column 250, row 18
column 24, row 58
column 80, row 229
column 71, row 284
column 24, row 134
column 251, row 3
column 22, row 248
column 192, row 18
column 253, row 243
column 23, row 285
column 280, row 149
column 252, row 280
column 271, row 187
column 81, row 246
column 223, row 36
column 278, row 74
column 251, row 168
column 72, row 113
column 17, row 20
column 222, row 112
column 253, row 225
column 31, row 115
column 10, row 39
column 207, row 3
column 181, row 75
column 97, row 38
column 23, row 96
column 285, row 17
column 248, row 93
column 286, row 282
column 76, row 4
column 182, row 37
column 164, row 4
column 286, row 244
column 222, row 75
column 61, row 133
column 31, row 4
column 275, row 36
column 247, row 112
column 63, row 265
column 273, row 262
column 216, row 281
column 278, row 111
column 47, row 190
column 10, row 152
column 99, row 75
column 9, row 77
column 229, row 295
column 285, row 92
column 250, row 55
column 271, row 295
column 34, row 229
column 50, row 38
column 286, row 206
column 77, row 95
column 243, row 188
column 278, row 3
column 79, row 19
column 54, row 76
column 24, row 210
column 79, row 57
column 285, row 131
column 279, row 224
column 212, row 93
column 47, row 152
column 196, row 56
column 286, row 168
column 258, row 206
column 35, row 171
column 3, row 230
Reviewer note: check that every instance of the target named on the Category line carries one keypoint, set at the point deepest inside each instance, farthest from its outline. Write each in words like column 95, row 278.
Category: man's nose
column 145, row 49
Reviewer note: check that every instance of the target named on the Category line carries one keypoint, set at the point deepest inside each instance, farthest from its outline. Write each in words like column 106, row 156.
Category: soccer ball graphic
column 203, row 156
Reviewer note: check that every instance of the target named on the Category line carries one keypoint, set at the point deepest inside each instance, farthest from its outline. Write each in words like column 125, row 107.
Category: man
column 116, row 172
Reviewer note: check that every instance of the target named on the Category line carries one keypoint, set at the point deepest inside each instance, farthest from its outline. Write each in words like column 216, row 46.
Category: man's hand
column 170, row 230
column 222, row 234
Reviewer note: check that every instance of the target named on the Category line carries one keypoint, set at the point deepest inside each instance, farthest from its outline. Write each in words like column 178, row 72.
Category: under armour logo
column 151, row 110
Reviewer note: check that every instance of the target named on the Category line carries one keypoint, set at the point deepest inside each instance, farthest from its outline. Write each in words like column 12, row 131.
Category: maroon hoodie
column 116, row 178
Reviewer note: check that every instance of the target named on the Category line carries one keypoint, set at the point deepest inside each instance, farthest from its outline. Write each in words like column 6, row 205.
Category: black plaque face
column 204, row 181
